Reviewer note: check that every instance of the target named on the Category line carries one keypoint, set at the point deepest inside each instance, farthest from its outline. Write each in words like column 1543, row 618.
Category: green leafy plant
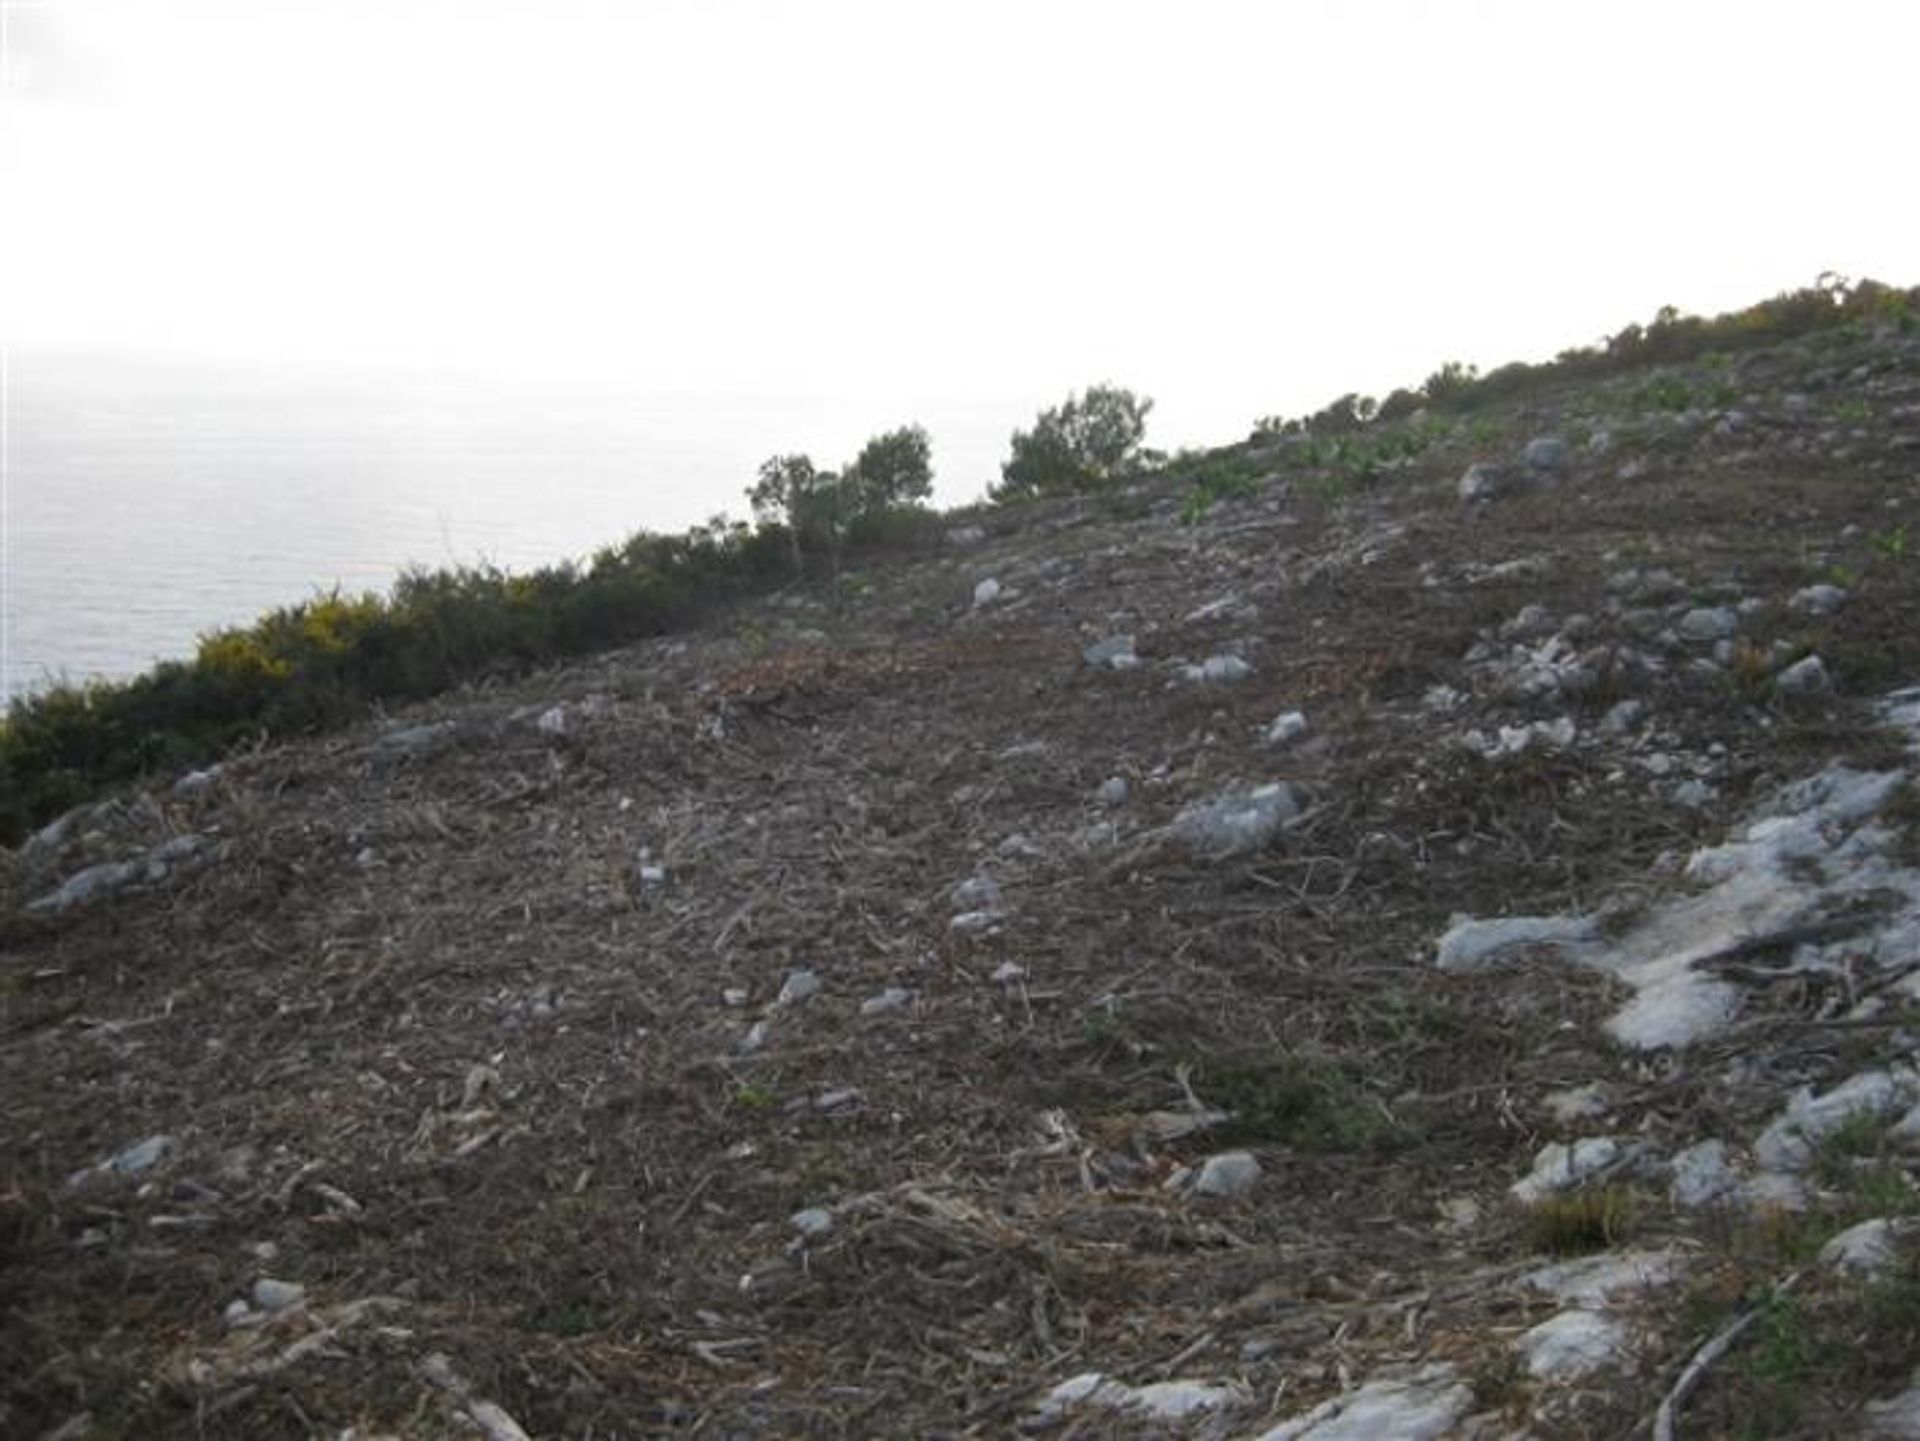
column 1088, row 440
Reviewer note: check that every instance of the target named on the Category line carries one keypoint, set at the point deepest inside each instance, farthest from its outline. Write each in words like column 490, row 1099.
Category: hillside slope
column 849, row 1019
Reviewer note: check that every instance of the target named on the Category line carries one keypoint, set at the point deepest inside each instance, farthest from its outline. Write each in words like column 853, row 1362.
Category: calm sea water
column 146, row 505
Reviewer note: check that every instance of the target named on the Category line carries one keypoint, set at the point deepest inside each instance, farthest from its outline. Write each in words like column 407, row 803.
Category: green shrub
column 1088, row 441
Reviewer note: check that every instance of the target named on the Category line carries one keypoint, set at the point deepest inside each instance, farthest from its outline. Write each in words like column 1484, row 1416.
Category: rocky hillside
column 1418, row 946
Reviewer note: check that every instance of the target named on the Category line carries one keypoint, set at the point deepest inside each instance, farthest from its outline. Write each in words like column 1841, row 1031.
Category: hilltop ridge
column 1405, row 932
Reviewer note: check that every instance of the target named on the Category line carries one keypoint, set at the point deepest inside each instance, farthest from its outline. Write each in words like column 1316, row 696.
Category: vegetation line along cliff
column 1404, row 926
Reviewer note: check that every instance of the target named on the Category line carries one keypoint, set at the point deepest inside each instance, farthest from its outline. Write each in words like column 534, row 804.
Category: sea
column 148, row 503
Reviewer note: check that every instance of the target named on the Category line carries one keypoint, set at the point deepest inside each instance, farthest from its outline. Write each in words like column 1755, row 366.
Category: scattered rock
column 1112, row 791
column 1792, row 1141
column 1286, row 728
column 1469, row 944
column 977, row 893
column 1115, row 652
column 1573, row 1344
column 1236, row 824
column 1484, row 482
column 798, row 985
column 90, row 885
column 986, row 593
column 1161, row 1400
column 273, row 1296
column 1804, row 677
column 1818, row 600
column 1554, row 735
column 139, row 1158
column 812, row 1223
column 1693, row 794
column 1422, row 1406
column 1229, row 1175
column 1868, row 1249
column 1705, row 624
column 199, row 782
column 1546, row 455
column 1562, row 1167
column 1593, row 1281
column 973, row 923
column 1219, row 670
column 1895, row 1419
column 891, row 999
column 1702, row 1177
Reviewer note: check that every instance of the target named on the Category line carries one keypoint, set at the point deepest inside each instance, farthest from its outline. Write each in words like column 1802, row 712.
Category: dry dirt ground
column 476, row 1033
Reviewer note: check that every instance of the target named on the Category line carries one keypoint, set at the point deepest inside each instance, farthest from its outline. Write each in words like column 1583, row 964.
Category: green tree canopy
column 893, row 469
column 1090, row 440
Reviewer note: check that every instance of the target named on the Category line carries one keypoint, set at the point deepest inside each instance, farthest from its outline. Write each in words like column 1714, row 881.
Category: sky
column 1236, row 208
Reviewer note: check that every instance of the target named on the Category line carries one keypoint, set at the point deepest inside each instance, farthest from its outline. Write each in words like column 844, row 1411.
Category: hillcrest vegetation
column 334, row 659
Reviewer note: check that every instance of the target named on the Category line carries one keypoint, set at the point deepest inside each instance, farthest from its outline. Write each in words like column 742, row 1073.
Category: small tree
column 791, row 492
column 893, row 469
column 1090, row 440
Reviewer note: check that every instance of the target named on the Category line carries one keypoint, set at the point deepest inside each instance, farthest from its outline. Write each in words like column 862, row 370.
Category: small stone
column 734, row 996
column 1693, row 794
column 1702, row 1177
column 891, row 999
column 1546, row 454
column 1483, row 482
column 1622, row 717
column 142, row 1156
column 976, row 893
column 1560, row 1167
column 974, row 923
column 1286, row 728
column 812, row 1223
column 552, row 721
column 1219, row 670
column 90, row 885
column 1572, row 1344
column 1804, row 677
column 1229, row 1175
column 1112, row 791
column 1423, row 1406
column 1115, row 651
column 274, row 1296
column 1705, row 624
column 838, row 1100
column 1818, row 600
column 1009, row 973
column 1236, row 824
column 986, row 593
column 1867, row 1249
column 1790, row 1142
column 239, row 1314
column 797, row 987
column 194, row 783
column 1532, row 622
column 755, row 1038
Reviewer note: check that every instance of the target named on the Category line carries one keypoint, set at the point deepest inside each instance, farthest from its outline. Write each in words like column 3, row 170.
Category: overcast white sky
column 1238, row 208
